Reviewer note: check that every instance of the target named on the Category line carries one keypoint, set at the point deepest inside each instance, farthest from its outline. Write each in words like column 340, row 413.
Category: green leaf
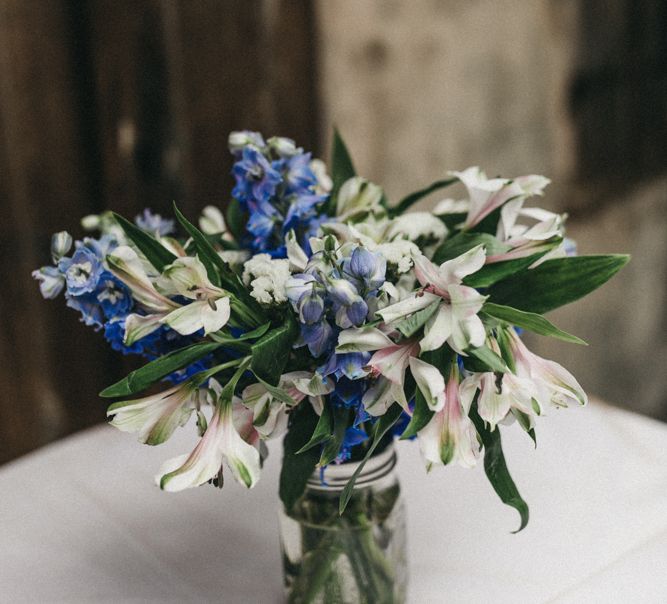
column 409, row 200
column 236, row 219
column 421, row 416
column 145, row 376
column 332, row 446
column 556, row 282
column 414, row 322
column 230, row 340
column 342, row 168
column 490, row 359
column 461, row 243
column 158, row 255
column 271, row 352
column 497, row 271
column 323, row 430
column 297, row 469
column 496, row 470
column 381, row 427
column 531, row 321
column 206, row 252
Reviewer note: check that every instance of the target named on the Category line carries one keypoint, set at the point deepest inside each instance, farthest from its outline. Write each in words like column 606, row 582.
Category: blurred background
column 127, row 104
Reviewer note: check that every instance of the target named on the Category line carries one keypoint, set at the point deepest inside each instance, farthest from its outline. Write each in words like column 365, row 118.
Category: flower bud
column 61, row 243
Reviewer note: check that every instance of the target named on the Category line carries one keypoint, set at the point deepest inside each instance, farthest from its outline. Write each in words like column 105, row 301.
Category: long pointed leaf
column 332, row 446
column 409, row 200
column 145, row 376
column 556, row 282
column 271, row 352
column 421, row 416
column 531, row 321
column 158, row 255
column 297, row 469
column 496, row 470
column 382, row 426
column 323, row 430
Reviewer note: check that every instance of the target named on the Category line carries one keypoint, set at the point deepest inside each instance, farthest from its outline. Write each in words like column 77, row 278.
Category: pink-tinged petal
column 154, row 417
column 450, row 436
column 406, row 307
column 139, row 326
column 453, row 271
column 437, row 329
column 556, row 385
column 391, row 362
column 427, row 273
column 430, row 382
column 126, row 265
column 382, row 395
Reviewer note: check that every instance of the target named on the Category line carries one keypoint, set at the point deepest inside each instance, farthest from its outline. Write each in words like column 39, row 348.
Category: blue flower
column 311, row 307
column 368, row 267
column 89, row 307
column 353, row 437
column 319, row 337
column 154, row 223
column 113, row 295
column 82, row 271
column 256, row 179
column 297, row 173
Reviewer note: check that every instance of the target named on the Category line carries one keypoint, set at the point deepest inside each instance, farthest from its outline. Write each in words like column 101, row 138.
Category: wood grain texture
column 125, row 105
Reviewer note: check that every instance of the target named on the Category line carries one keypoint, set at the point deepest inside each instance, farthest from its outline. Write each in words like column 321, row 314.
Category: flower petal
column 430, row 382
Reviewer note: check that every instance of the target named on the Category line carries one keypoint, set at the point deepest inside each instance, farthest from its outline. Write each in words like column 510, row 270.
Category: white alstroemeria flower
column 415, row 225
column 211, row 306
column 267, row 278
column 298, row 259
column 125, row 264
column 486, row 195
column 358, row 197
column 362, row 339
column 212, row 221
column 324, row 182
column 555, row 384
column 500, row 394
column 222, row 441
column 430, row 383
column 51, row 281
column 455, row 321
column 388, row 365
column 269, row 413
column 155, row 417
column 450, row 436
column 234, row 257
column 400, row 253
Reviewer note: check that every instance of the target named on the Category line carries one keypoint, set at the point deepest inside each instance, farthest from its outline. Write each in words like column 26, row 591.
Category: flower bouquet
column 319, row 311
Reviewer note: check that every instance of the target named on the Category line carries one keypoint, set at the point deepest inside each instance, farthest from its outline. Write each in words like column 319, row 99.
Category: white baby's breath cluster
column 266, row 277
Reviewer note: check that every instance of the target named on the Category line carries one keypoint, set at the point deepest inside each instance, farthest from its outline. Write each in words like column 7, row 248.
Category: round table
column 81, row 521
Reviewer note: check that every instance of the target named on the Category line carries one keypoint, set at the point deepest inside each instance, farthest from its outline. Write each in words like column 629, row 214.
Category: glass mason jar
column 359, row 557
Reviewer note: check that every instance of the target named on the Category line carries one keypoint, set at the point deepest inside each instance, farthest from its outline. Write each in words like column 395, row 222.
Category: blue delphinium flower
column 154, row 223
column 277, row 188
column 256, row 179
column 82, row 271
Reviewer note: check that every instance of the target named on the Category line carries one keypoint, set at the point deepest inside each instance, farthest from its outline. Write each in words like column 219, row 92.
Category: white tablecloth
column 80, row 521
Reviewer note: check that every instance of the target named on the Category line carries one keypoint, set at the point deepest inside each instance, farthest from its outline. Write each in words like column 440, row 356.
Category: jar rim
column 336, row 476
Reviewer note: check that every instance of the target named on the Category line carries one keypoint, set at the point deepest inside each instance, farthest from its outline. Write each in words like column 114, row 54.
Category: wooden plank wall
column 120, row 104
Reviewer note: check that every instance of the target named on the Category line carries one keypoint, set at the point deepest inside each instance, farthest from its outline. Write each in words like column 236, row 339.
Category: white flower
column 211, row 221
column 222, row 440
column 324, row 182
column 356, row 198
column 486, row 195
column 155, row 417
column 295, row 254
column 211, row 307
column 415, row 225
column 51, row 281
column 270, row 413
column 451, row 206
column 455, row 321
column 430, row 382
column 61, row 243
column 234, row 257
column 450, row 436
column 267, row 278
column 555, row 384
column 125, row 264
column 399, row 253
